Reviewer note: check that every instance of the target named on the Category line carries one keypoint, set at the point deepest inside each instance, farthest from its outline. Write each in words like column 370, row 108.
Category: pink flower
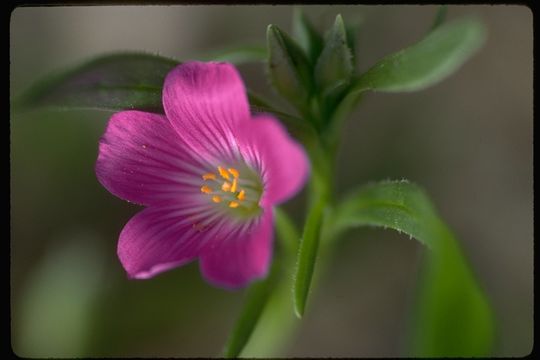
column 208, row 173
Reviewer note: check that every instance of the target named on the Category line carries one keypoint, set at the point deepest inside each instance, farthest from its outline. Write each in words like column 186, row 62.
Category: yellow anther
column 241, row 195
column 234, row 172
column 206, row 189
column 234, row 185
column 226, row 186
column 224, row 174
column 209, row 176
column 216, row 199
column 233, row 204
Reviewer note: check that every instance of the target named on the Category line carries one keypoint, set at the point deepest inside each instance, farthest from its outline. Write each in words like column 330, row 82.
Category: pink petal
column 205, row 103
column 238, row 259
column 157, row 239
column 281, row 160
column 142, row 159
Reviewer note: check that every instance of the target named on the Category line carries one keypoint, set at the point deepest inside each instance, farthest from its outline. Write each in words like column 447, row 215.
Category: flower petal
column 205, row 103
column 281, row 160
column 143, row 160
column 157, row 239
column 238, row 259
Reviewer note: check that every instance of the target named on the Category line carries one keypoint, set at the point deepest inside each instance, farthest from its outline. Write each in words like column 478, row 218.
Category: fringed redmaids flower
column 208, row 173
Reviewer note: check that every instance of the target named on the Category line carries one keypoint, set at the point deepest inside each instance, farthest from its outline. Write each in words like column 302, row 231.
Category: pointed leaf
column 288, row 67
column 352, row 35
column 452, row 316
column 308, row 37
column 111, row 82
column 307, row 254
column 427, row 62
column 334, row 67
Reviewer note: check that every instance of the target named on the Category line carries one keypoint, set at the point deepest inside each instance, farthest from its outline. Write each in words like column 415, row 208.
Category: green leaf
column 308, row 37
column 307, row 254
column 398, row 205
column 427, row 62
column 111, row 82
column 238, row 55
column 352, row 30
column 452, row 316
column 334, row 67
column 440, row 17
column 128, row 81
column 289, row 70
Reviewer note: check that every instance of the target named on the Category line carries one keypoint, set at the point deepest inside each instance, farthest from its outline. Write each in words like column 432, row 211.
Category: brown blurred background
column 467, row 140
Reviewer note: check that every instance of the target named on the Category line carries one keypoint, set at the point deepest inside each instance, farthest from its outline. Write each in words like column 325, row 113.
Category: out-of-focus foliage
column 58, row 301
column 112, row 82
column 453, row 316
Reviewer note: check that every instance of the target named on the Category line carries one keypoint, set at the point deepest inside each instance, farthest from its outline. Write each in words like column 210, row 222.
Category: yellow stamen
column 241, row 195
column 206, row 189
column 209, row 176
column 226, row 186
column 234, row 172
column 224, row 174
column 216, row 199
column 234, row 185
column 233, row 204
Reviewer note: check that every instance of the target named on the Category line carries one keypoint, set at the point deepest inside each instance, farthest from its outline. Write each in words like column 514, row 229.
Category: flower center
column 227, row 188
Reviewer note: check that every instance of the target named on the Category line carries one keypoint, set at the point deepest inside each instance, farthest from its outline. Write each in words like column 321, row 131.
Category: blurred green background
column 467, row 141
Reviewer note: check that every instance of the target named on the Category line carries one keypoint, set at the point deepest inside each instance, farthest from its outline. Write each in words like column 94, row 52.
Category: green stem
column 320, row 195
